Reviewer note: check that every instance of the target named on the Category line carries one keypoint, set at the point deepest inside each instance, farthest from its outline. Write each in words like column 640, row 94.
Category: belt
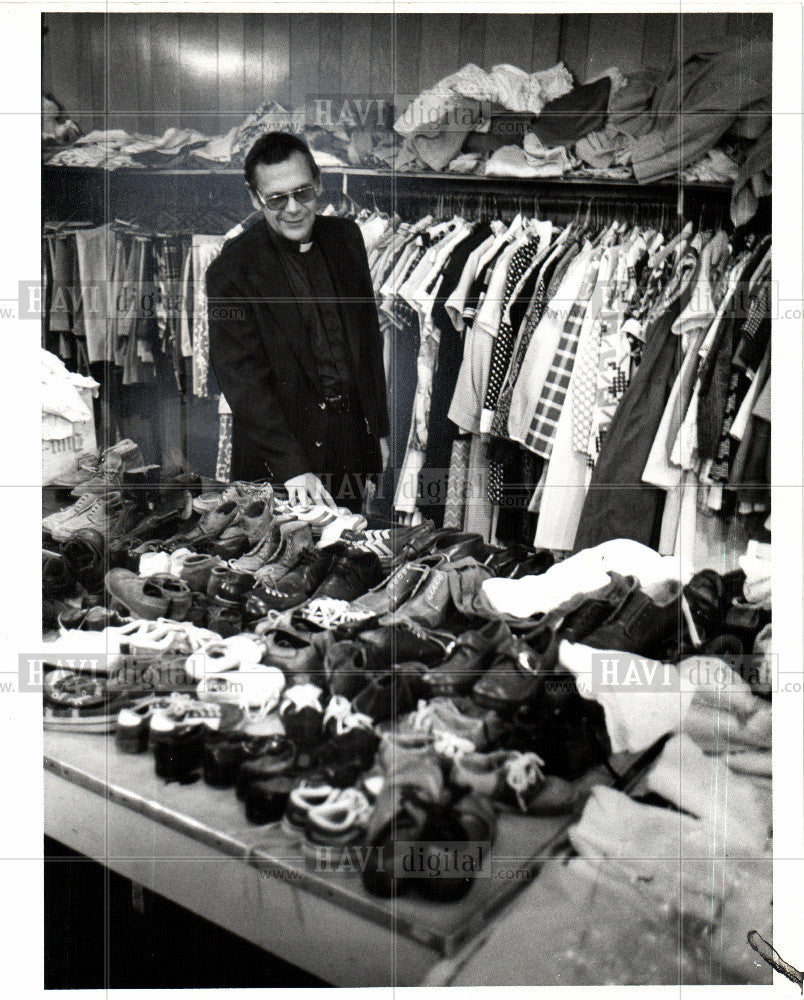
column 341, row 403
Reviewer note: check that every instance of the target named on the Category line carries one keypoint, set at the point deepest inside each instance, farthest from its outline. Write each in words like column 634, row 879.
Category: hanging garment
column 541, row 432
column 205, row 248
column 542, row 348
column 619, row 504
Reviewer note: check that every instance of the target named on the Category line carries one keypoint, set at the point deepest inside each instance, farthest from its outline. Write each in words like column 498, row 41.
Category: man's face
column 295, row 220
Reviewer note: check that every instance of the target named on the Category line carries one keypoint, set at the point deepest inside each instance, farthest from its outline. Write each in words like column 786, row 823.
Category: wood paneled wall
column 147, row 71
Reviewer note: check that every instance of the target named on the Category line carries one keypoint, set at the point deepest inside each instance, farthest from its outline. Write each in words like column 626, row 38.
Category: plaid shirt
column 541, row 432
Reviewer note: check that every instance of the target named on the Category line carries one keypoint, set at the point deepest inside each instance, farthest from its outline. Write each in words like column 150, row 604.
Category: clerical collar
column 288, row 246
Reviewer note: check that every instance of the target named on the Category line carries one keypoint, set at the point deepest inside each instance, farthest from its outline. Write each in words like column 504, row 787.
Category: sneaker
column 301, row 800
column 125, row 454
column 109, row 514
column 458, row 718
column 293, row 588
column 333, row 826
column 351, row 734
column 122, row 458
column 239, row 492
column 397, row 588
column 81, row 505
column 88, row 464
column 256, row 692
column 302, row 715
column 79, row 702
column 295, row 538
column 267, row 549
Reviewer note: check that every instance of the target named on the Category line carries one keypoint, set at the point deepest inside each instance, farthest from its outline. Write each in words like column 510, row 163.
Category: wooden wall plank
column 408, row 33
column 232, row 108
column 252, row 61
column 472, row 40
column 614, row 40
column 61, row 40
column 754, row 25
column 304, row 56
column 382, row 55
column 144, row 80
column 509, row 39
column 47, row 41
column 122, row 72
column 165, row 70
column 330, row 27
column 574, row 44
column 97, row 49
column 276, row 58
column 701, row 29
column 355, row 46
column 198, row 87
column 439, row 56
column 659, row 41
column 546, row 37
column 211, row 70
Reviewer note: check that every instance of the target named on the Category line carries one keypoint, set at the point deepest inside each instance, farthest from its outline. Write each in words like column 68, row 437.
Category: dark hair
column 276, row 147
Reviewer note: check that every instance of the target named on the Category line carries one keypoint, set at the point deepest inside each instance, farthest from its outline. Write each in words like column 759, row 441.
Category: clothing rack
column 100, row 195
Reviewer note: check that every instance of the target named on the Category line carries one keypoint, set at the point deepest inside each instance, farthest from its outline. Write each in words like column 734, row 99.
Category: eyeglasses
column 276, row 202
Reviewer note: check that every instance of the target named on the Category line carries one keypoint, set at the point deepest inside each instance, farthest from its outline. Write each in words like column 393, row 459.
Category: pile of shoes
column 364, row 688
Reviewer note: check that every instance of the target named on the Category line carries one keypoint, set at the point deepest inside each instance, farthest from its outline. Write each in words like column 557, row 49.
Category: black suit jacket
column 262, row 358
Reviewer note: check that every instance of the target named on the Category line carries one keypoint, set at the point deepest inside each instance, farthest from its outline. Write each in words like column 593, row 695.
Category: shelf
column 475, row 180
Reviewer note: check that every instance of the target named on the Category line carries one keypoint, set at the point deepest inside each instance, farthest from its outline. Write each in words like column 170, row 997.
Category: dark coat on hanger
column 262, row 357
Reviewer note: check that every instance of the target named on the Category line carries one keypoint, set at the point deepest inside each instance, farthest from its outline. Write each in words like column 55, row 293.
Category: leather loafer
column 159, row 596
column 294, row 654
column 234, row 588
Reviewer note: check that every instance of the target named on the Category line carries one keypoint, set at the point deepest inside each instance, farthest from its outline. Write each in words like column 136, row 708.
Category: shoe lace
column 524, row 772
column 301, row 696
column 451, row 745
column 346, row 719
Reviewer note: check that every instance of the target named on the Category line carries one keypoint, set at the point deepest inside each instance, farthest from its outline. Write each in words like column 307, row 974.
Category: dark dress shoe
column 85, row 554
column 168, row 512
column 517, row 673
column 58, row 581
column 234, row 588
column 403, row 642
column 644, row 625
column 467, row 660
column 351, row 575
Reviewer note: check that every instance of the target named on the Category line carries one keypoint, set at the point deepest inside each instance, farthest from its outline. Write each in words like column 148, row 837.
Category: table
column 193, row 845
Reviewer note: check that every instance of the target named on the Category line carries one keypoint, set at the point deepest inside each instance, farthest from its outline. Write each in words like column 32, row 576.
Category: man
column 294, row 337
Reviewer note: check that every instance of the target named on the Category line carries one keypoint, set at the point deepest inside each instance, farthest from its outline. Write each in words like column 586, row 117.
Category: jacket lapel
column 345, row 289
column 274, row 294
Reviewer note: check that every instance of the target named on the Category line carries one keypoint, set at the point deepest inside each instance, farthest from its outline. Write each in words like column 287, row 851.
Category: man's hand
column 384, row 453
column 308, row 489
